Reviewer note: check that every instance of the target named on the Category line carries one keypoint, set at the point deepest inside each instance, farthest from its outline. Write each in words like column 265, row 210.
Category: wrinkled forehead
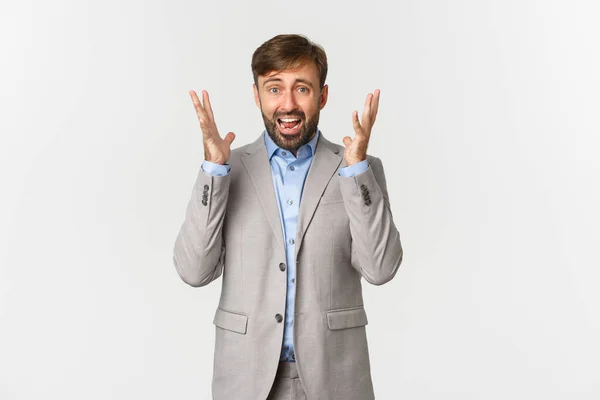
column 306, row 72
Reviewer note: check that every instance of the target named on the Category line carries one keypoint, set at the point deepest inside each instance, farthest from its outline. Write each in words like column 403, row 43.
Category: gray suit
column 345, row 231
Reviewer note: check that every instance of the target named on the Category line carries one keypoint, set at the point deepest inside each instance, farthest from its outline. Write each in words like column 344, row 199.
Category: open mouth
column 289, row 126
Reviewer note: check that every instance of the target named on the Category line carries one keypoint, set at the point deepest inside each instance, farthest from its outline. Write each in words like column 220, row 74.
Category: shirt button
column 283, row 153
column 282, row 266
column 293, row 280
column 278, row 317
column 290, row 202
column 292, row 168
column 291, row 241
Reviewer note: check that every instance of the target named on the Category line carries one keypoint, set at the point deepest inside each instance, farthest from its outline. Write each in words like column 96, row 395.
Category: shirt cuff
column 354, row 170
column 215, row 169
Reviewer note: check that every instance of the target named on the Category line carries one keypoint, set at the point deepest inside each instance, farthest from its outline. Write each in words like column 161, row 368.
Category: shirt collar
column 272, row 147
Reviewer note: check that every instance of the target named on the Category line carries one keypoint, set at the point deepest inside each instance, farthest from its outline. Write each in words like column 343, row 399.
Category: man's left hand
column 356, row 149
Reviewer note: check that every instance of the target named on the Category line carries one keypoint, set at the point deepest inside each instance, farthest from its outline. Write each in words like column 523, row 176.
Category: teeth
column 289, row 120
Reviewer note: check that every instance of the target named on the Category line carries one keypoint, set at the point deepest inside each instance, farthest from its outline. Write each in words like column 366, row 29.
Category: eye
column 303, row 89
column 273, row 90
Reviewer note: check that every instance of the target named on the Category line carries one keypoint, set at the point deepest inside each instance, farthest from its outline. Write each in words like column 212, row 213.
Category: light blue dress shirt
column 289, row 174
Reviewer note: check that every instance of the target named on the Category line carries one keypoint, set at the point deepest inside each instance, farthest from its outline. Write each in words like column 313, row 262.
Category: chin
column 289, row 138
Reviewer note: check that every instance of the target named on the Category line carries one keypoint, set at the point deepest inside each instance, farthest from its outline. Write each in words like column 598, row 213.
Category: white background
column 488, row 130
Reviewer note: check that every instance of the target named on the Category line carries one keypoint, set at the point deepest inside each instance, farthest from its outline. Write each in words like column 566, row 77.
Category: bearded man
column 293, row 223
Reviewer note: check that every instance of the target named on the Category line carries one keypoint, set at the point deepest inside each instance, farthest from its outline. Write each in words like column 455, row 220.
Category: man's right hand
column 216, row 149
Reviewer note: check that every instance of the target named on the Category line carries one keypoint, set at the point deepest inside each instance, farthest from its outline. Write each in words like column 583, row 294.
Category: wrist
column 219, row 162
column 354, row 161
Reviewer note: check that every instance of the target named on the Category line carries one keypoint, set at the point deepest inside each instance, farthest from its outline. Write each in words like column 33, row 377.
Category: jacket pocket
column 231, row 321
column 347, row 318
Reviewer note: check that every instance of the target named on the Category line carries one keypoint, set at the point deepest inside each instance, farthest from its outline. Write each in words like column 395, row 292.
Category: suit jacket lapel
column 257, row 163
column 323, row 166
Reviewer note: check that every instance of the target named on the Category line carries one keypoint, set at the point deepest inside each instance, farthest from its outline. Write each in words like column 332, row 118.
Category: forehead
column 305, row 71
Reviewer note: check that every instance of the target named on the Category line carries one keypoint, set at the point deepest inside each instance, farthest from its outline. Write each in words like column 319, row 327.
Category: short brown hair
column 288, row 52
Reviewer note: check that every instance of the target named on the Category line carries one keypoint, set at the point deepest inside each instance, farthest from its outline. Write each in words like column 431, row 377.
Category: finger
column 356, row 124
column 207, row 107
column 375, row 104
column 197, row 106
column 368, row 101
column 202, row 118
column 347, row 141
column 366, row 116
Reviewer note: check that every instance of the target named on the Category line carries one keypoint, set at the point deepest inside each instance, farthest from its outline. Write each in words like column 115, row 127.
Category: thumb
column 229, row 138
column 347, row 141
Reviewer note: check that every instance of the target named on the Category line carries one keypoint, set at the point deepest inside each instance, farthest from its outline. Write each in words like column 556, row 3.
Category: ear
column 323, row 97
column 256, row 98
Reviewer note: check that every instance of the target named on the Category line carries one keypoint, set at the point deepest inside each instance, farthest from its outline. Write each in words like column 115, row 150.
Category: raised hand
column 216, row 149
column 356, row 149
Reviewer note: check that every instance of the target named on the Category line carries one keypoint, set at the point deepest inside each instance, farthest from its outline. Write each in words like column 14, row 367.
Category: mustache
column 294, row 114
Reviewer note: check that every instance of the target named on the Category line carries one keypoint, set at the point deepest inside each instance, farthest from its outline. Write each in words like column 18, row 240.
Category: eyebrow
column 299, row 80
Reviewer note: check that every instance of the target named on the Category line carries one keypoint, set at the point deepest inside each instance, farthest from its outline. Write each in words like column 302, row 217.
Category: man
column 292, row 222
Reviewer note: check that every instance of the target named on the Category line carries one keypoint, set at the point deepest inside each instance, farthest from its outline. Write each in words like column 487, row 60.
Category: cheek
column 268, row 109
column 310, row 108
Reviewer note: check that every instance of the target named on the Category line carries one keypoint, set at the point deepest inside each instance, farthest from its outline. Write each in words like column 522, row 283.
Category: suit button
column 204, row 202
column 282, row 266
column 278, row 317
column 205, row 187
column 363, row 187
column 368, row 202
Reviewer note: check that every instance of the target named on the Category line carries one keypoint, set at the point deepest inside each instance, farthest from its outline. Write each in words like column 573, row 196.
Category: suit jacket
column 345, row 232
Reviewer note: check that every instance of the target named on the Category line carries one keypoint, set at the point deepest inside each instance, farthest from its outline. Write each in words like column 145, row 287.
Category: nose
column 288, row 102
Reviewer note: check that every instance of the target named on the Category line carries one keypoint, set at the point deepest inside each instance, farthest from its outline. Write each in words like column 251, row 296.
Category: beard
column 291, row 142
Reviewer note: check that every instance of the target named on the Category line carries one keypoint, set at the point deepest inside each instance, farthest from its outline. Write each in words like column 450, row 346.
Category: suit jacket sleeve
column 376, row 248
column 199, row 252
